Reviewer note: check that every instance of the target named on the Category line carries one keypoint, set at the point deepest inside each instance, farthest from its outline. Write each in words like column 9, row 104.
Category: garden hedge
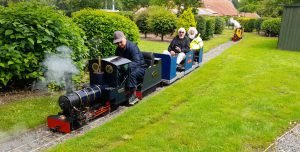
column 28, row 32
column 247, row 23
column 271, row 27
column 257, row 24
column 210, row 28
column 100, row 27
column 219, row 25
column 201, row 25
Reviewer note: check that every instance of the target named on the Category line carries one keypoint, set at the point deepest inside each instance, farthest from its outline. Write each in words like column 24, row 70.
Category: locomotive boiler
column 105, row 91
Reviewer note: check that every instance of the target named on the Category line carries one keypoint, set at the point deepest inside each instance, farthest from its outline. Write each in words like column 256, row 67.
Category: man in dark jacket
column 129, row 50
column 179, row 46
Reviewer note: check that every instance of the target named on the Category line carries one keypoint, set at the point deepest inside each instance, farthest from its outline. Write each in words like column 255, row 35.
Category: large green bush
column 100, row 27
column 271, row 27
column 258, row 23
column 29, row 31
column 186, row 19
column 162, row 22
column 219, row 25
column 247, row 23
column 141, row 21
column 210, row 28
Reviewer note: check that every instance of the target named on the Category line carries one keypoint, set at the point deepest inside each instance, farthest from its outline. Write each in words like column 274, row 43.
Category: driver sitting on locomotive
column 137, row 67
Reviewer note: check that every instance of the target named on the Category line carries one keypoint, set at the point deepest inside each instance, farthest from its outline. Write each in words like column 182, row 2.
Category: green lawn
column 32, row 112
column 27, row 113
column 240, row 101
column 153, row 46
column 218, row 39
column 158, row 47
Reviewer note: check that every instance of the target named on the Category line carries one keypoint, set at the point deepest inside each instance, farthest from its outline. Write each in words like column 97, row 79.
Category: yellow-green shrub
column 186, row 19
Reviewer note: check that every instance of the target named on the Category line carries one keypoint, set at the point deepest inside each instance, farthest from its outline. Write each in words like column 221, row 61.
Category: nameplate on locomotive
column 154, row 74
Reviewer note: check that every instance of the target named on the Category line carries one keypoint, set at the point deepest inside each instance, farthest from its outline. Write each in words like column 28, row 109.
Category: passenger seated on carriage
column 192, row 33
column 179, row 46
column 196, row 41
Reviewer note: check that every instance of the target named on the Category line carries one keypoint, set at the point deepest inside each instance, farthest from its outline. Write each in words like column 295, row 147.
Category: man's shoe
column 180, row 67
column 133, row 99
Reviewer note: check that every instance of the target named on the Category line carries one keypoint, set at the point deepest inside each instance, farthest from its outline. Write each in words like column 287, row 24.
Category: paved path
column 41, row 138
column 288, row 142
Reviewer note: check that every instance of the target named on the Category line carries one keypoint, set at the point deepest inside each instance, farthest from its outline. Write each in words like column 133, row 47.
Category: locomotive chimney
column 68, row 82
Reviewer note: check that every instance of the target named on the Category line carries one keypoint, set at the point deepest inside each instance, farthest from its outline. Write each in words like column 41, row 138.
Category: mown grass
column 31, row 112
column 240, row 101
column 27, row 113
column 158, row 47
column 218, row 39
column 153, row 46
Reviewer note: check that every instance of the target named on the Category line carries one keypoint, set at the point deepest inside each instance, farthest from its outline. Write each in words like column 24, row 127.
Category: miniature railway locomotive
column 238, row 34
column 107, row 87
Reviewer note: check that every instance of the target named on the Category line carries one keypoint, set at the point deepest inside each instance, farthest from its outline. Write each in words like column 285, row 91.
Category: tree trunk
column 145, row 35
column 162, row 37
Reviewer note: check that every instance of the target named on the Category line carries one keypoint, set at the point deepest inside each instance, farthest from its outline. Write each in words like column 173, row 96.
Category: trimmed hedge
column 210, row 28
column 201, row 25
column 247, row 23
column 271, row 27
column 257, row 24
column 220, row 25
column 29, row 31
column 100, row 26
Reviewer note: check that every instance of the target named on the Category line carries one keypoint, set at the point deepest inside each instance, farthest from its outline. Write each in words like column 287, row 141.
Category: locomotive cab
column 114, row 74
column 152, row 75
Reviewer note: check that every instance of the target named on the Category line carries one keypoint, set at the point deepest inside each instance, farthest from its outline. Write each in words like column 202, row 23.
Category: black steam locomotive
column 107, row 87
column 107, row 90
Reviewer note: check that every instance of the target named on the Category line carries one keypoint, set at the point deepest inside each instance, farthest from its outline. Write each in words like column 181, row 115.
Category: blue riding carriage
column 171, row 73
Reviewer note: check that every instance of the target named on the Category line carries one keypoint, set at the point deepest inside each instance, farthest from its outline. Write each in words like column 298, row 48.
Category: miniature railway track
column 42, row 138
